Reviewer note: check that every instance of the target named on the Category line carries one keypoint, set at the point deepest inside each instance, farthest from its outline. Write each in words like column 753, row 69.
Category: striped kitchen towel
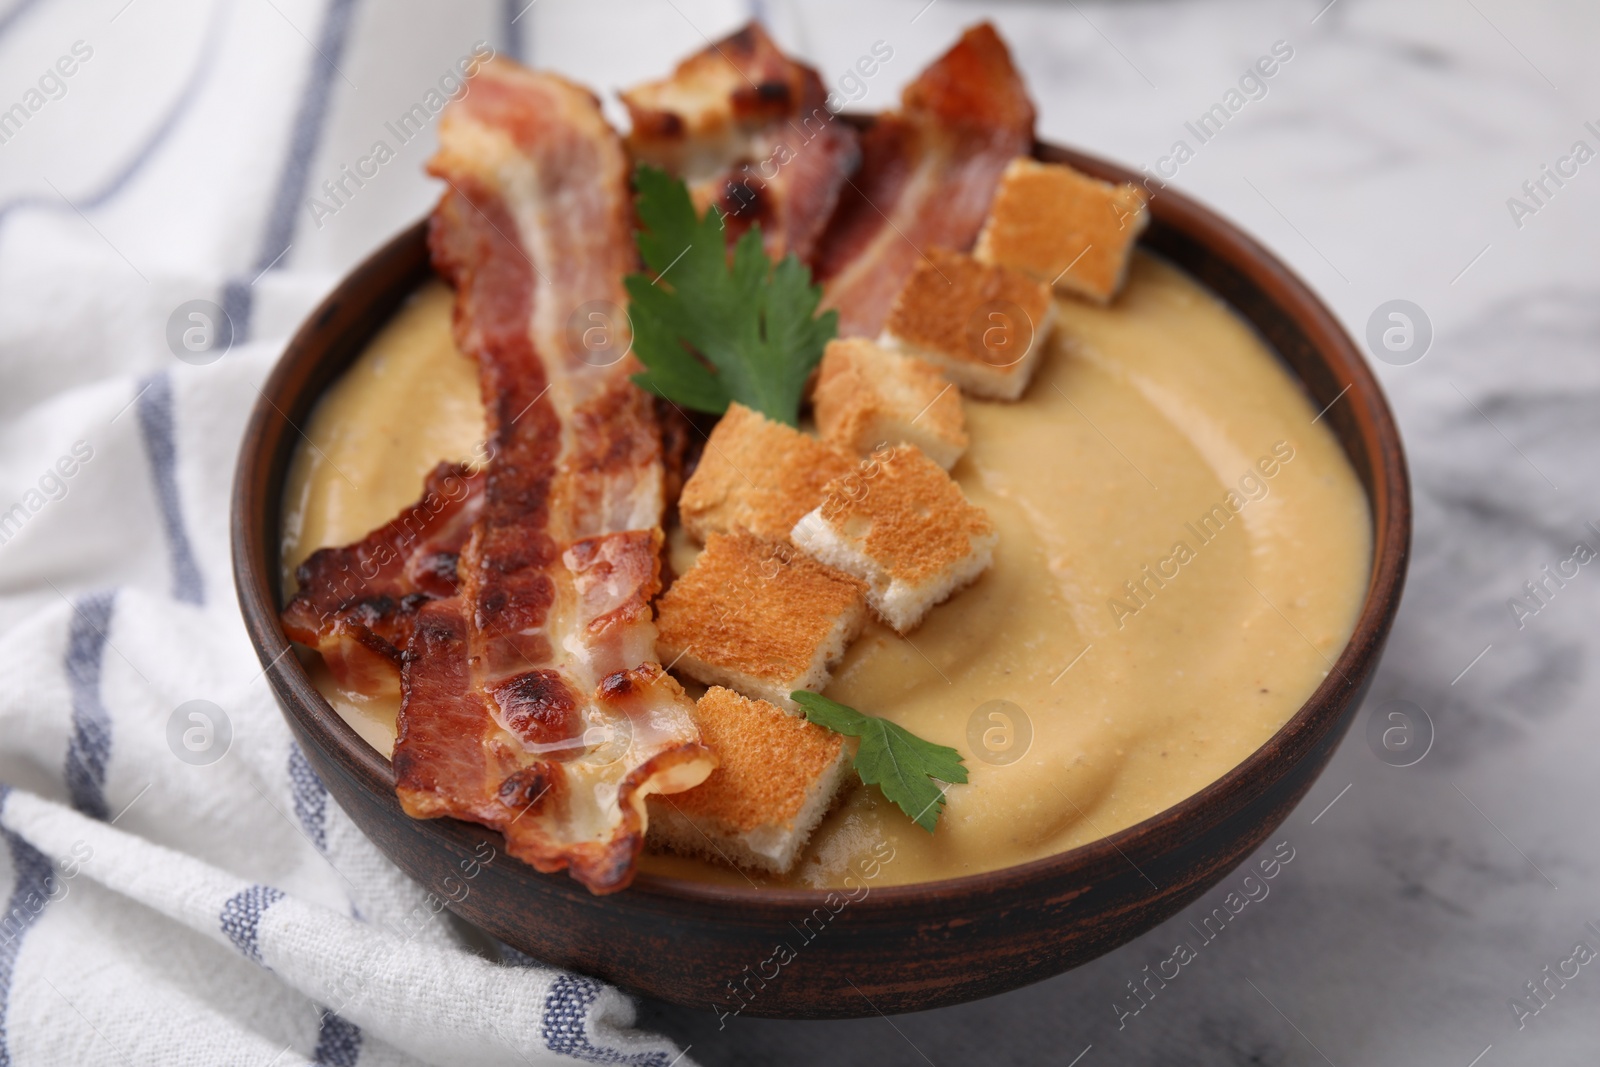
column 176, row 885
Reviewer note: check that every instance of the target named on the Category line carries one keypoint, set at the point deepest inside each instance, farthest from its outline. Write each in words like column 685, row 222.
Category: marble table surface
column 1386, row 160
column 1379, row 164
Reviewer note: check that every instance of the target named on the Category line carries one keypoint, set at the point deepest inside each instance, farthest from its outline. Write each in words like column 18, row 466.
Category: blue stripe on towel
column 311, row 804
column 565, row 1030
column 35, row 882
column 238, row 302
column 156, row 425
column 238, row 298
column 19, row 9
column 310, row 797
column 338, row 1041
column 512, row 13
column 90, row 747
column 241, row 918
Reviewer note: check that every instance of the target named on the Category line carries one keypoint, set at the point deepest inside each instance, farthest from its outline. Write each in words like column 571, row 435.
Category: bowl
column 878, row 949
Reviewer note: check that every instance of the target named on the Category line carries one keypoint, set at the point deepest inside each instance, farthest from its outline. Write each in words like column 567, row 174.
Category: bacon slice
column 357, row 605
column 454, row 757
column 749, row 129
column 533, row 702
column 928, row 173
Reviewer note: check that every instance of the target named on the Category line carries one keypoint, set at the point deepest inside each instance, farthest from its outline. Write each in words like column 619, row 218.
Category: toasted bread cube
column 760, row 617
column 1064, row 228
column 758, row 476
column 868, row 396
column 776, row 777
column 983, row 325
column 901, row 525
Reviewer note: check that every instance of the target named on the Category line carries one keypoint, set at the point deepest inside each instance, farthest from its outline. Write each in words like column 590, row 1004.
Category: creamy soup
column 1183, row 553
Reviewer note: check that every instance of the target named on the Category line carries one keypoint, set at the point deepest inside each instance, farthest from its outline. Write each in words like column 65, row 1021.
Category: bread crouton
column 776, row 777
column 760, row 617
column 756, row 475
column 1064, row 228
column 868, row 396
column 983, row 325
column 901, row 525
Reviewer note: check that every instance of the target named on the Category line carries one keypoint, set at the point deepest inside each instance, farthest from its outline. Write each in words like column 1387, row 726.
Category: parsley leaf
column 709, row 332
column 894, row 759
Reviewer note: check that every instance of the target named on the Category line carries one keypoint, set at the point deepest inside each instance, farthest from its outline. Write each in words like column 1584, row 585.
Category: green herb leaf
column 709, row 332
column 894, row 759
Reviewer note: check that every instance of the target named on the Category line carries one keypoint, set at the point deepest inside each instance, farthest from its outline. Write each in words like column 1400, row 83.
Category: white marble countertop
column 1379, row 164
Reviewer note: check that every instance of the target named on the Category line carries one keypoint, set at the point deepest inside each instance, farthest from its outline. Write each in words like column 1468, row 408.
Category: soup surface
column 1183, row 553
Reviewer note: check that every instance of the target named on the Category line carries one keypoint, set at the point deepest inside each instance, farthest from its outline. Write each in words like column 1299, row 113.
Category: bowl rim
column 256, row 559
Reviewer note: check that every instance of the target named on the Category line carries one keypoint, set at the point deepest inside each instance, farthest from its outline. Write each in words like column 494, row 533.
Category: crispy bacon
column 928, row 173
column 454, row 757
column 749, row 129
column 532, row 703
column 357, row 605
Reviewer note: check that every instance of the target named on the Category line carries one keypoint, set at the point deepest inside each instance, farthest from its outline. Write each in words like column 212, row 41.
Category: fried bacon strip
column 928, row 173
column 357, row 605
column 532, row 702
column 749, row 129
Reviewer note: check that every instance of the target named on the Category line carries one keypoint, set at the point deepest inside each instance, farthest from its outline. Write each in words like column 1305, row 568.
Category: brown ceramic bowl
column 899, row 948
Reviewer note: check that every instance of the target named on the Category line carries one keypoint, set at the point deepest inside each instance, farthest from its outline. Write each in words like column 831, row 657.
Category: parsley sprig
column 894, row 759
column 709, row 332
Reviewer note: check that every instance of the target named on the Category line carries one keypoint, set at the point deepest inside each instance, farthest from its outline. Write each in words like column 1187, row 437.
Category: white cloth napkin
column 178, row 886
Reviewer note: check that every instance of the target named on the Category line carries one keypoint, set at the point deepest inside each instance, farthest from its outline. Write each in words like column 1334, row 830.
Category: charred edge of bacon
column 370, row 591
column 928, row 174
column 781, row 155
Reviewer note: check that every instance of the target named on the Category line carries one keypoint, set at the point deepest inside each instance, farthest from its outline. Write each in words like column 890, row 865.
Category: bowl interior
column 1294, row 323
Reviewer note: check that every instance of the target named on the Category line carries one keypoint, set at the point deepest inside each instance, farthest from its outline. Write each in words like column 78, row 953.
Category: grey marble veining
column 1379, row 164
